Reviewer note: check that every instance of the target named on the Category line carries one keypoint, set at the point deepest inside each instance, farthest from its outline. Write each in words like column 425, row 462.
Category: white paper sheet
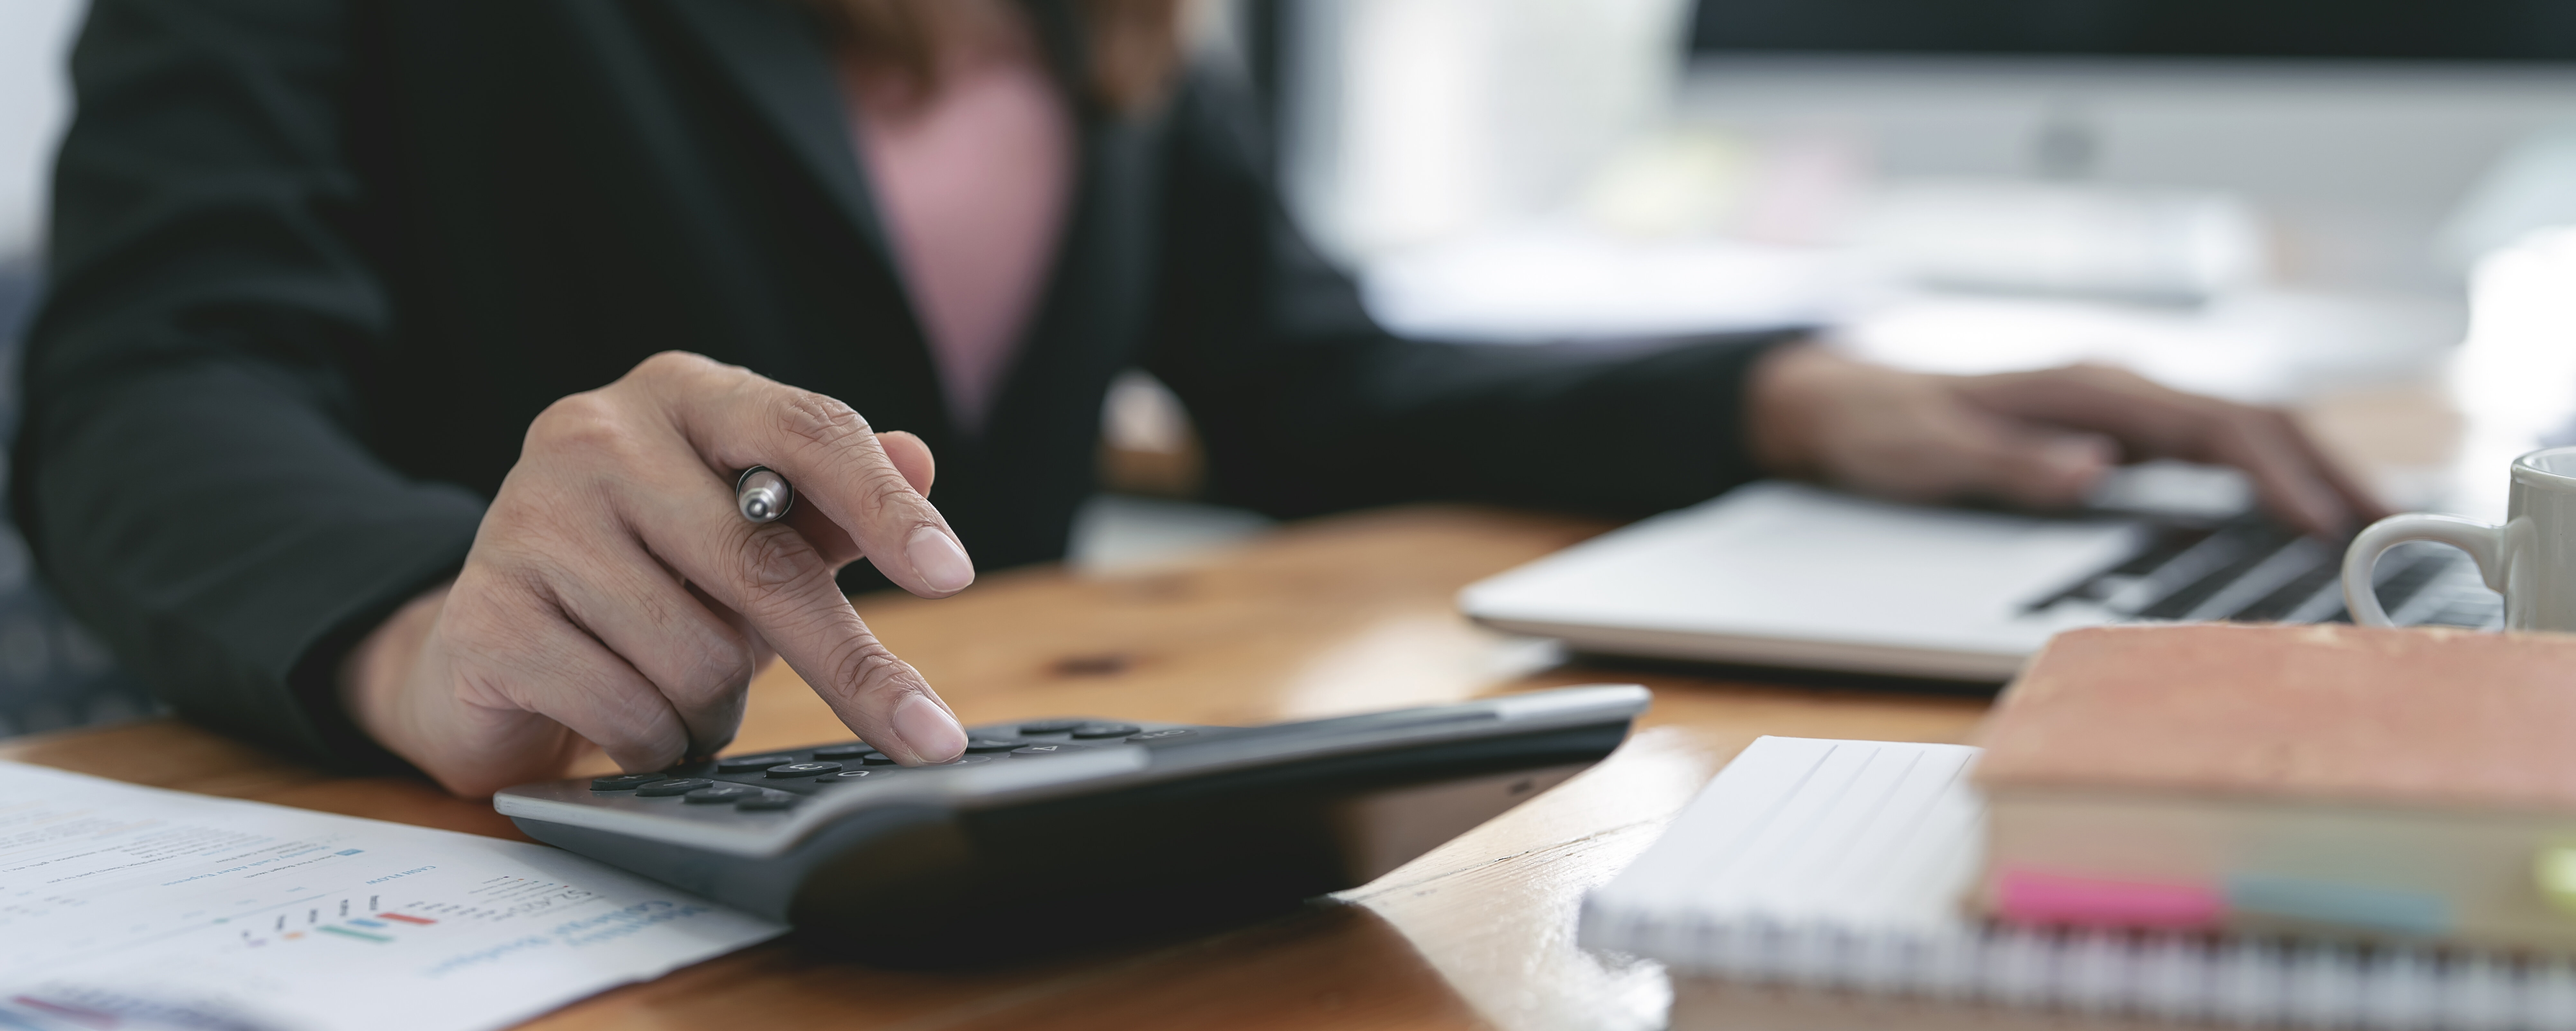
column 131, row 907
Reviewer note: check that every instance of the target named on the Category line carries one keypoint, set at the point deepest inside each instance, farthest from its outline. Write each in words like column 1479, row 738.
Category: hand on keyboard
column 2033, row 439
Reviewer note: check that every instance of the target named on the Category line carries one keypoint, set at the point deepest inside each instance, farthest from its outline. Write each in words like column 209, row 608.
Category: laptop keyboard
column 2252, row 570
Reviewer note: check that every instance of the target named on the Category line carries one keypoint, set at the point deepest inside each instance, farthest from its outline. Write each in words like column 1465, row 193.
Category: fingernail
column 928, row 730
column 938, row 561
column 2079, row 460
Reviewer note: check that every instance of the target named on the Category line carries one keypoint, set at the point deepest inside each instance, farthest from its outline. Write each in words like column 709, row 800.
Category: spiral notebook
column 1839, row 867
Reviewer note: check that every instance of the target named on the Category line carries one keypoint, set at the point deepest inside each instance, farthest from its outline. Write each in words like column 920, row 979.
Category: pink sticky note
column 2026, row 896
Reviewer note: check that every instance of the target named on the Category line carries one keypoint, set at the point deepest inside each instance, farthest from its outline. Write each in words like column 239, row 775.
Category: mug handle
column 2482, row 542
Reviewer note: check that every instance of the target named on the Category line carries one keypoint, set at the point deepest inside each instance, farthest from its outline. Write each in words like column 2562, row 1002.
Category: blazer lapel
column 772, row 52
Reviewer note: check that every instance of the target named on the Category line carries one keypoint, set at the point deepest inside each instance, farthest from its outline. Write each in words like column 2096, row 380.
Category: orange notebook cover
column 2445, row 717
column 2392, row 784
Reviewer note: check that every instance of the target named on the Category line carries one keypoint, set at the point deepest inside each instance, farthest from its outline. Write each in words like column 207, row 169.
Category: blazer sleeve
column 1306, row 405
column 192, row 470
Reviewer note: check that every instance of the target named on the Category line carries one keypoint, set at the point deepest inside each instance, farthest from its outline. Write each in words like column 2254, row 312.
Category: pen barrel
column 763, row 495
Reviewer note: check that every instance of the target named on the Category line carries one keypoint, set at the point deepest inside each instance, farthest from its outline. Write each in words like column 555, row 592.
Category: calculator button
column 853, row 750
column 847, row 776
column 802, row 770
column 623, row 781
column 767, row 800
column 1160, row 735
column 1051, row 726
column 720, row 793
column 967, row 760
column 667, row 788
column 877, row 759
column 1050, row 748
column 1104, row 730
column 748, row 763
column 992, row 744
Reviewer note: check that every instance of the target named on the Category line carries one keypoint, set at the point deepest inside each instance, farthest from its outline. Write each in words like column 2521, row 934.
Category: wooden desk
column 1335, row 616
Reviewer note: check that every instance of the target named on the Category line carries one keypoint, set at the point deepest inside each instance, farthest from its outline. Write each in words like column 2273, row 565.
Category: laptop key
column 2243, row 551
column 2296, row 597
column 2411, row 576
column 2148, row 588
column 2292, row 562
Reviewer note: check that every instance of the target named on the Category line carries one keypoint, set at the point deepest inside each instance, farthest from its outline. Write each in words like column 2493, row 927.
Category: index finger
column 2289, row 477
column 2365, row 502
column 781, row 585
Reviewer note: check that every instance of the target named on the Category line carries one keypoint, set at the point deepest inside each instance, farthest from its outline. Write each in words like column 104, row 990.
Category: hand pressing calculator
column 1048, row 834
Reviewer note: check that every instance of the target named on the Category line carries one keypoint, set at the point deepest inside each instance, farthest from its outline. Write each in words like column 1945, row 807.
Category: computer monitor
column 2440, row 30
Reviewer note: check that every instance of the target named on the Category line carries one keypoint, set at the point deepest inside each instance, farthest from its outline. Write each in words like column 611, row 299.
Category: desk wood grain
column 1333, row 616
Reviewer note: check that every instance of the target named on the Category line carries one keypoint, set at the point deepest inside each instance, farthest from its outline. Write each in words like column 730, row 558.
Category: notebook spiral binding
column 2253, row 982
column 1801, row 872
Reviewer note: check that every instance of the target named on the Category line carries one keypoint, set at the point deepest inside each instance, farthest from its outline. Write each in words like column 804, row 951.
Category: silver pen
column 762, row 494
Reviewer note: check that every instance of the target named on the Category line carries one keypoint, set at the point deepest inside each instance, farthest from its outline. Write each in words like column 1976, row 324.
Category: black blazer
column 316, row 263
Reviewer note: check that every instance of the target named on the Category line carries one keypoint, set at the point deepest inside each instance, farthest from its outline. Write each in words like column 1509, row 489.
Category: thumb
column 2033, row 468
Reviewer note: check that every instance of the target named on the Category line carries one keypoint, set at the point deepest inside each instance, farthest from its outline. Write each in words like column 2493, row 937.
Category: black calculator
column 1050, row 834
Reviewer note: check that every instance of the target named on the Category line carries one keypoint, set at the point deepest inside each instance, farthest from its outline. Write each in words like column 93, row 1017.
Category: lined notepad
column 1841, row 865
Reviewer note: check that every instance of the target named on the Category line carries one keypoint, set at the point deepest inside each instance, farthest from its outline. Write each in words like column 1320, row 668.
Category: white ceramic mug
column 2531, row 559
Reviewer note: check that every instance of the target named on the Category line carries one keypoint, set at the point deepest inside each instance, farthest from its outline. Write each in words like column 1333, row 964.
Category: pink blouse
column 973, row 184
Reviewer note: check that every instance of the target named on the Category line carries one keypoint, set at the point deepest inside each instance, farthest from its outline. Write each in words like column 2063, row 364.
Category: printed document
column 133, row 907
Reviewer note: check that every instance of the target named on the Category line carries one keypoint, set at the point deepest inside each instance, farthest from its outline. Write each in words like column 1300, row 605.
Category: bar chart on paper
column 121, row 904
column 364, row 916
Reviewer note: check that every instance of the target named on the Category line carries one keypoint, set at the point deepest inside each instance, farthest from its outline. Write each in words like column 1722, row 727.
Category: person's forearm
column 220, row 532
column 1618, row 430
column 192, row 472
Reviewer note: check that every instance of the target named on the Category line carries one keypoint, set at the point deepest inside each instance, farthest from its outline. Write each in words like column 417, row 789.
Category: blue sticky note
column 2362, row 906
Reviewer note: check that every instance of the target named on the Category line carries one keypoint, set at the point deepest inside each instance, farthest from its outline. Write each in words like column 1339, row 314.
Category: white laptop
column 1790, row 575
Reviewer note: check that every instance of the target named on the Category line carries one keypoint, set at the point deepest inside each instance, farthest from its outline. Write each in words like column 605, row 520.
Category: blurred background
column 2341, row 206
column 2289, row 202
